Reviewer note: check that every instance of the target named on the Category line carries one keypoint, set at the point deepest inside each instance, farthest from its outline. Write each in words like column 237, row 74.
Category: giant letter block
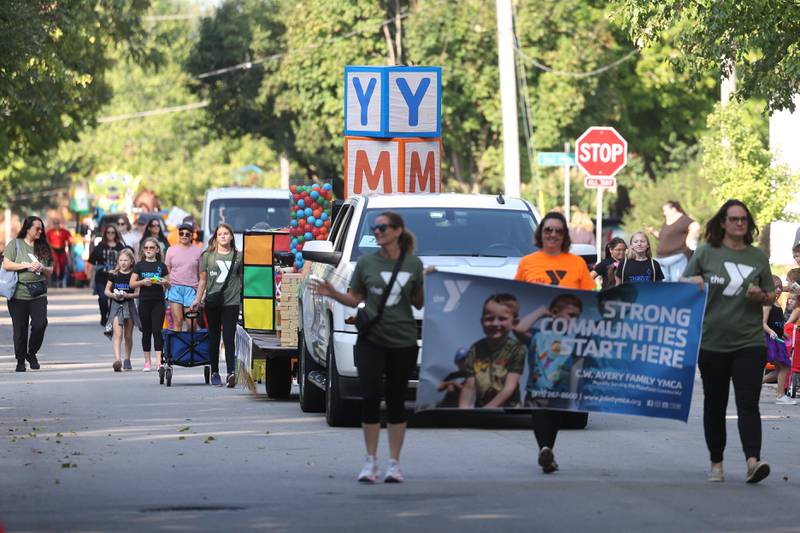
column 385, row 166
column 389, row 102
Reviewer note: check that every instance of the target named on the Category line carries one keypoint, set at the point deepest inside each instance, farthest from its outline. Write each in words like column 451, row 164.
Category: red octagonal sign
column 601, row 151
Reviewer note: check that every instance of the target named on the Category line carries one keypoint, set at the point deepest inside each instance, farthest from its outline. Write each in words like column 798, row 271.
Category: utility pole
column 508, row 96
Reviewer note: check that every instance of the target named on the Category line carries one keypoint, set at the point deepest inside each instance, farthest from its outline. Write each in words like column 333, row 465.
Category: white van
column 244, row 208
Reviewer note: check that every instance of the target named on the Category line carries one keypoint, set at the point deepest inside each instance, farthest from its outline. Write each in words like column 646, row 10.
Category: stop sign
column 601, row 151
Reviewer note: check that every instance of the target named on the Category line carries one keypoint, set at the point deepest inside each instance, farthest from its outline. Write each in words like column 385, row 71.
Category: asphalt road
column 85, row 449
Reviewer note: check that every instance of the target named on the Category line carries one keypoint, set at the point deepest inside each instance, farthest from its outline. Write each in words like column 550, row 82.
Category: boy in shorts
column 494, row 364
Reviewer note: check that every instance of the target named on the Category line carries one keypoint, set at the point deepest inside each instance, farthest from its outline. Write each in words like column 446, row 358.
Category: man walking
column 677, row 239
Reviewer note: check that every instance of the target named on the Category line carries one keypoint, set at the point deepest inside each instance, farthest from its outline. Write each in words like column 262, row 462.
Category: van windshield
column 456, row 231
column 246, row 213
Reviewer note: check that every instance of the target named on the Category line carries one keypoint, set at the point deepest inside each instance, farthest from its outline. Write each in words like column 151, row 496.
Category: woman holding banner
column 732, row 348
column 552, row 264
column 389, row 347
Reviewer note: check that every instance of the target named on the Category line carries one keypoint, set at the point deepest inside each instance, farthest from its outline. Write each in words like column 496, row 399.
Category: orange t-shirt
column 568, row 271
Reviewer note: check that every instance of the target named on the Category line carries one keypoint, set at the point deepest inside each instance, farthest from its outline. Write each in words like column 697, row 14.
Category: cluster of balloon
column 310, row 217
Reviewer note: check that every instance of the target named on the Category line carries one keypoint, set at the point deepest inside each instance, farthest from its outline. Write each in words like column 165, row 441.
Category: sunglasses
column 155, row 225
column 381, row 227
column 551, row 229
column 185, row 233
column 150, row 247
column 111, row 232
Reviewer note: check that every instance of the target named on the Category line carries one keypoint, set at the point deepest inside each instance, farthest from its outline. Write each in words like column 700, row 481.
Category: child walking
column 639, row 264
column 776, row 347
column 122, row 314
column 149, row 278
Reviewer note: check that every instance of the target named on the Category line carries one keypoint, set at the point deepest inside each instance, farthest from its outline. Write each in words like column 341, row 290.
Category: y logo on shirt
column 737, row 273
column 224, row 268
column 555, row 276
column 399, row 283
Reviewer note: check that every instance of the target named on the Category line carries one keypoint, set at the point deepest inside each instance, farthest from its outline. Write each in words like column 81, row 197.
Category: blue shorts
column 181, row 294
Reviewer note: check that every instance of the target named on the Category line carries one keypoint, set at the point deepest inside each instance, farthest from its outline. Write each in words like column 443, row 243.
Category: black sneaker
column 231, row 380
column 33, row 362
column 20, row 365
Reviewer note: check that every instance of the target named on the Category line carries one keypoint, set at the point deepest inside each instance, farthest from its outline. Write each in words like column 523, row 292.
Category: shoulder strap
column 624, row 264
column 653, row 266
column 388, row 288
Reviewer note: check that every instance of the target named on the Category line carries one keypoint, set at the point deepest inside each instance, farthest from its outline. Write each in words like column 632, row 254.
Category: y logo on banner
column 455, row 289
column 555, row 276
column 738, row 273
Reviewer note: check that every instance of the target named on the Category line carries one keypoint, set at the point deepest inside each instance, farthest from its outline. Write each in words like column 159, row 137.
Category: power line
column 153, row 112
column 588, row 74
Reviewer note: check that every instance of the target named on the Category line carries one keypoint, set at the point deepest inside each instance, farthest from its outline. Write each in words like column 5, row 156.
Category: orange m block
column 384, row 166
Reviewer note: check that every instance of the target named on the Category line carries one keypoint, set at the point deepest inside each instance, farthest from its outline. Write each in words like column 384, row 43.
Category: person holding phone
column 33, row 263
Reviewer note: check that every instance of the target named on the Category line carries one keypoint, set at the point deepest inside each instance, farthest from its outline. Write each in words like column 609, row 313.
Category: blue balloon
column 311, row 220
column 323, row 217
column 327, row 187
column 298, row 256
column 318, row 223
column 315, row 186
column 294, row 243
column 301, row 203
column 309, row 211
column 309, row 235
column 293, row 223
column 314, row 195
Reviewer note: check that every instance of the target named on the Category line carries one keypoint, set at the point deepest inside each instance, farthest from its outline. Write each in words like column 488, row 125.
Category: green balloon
column 301, row 239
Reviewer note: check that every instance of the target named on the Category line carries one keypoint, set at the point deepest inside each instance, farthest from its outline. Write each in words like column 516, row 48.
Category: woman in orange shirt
column 552, row 264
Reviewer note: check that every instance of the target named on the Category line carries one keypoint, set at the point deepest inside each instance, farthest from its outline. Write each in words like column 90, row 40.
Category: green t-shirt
column 397, row 327
column 25, row 255
column 731, row 321
column 218, row 267
column 491, row 367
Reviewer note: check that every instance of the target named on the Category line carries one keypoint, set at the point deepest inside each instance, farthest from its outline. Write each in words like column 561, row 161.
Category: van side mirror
column 321, row 252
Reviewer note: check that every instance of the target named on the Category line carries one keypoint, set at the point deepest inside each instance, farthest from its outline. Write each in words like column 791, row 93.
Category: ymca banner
column 495, row 343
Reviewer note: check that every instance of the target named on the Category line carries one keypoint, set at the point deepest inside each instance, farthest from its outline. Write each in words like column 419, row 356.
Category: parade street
column 85, row 449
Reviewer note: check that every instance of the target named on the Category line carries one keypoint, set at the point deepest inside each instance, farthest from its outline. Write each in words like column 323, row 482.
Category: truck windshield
column 246, row 213
column 455, row 231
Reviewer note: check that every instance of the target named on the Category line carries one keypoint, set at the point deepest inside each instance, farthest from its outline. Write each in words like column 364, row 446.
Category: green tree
column 738, row 164
column 53, row 60
column 760, row 37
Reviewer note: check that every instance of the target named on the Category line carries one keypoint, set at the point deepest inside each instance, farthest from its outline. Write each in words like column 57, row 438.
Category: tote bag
column 8, row 280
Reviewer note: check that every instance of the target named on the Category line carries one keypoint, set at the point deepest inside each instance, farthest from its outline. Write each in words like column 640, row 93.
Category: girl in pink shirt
column 183, row 264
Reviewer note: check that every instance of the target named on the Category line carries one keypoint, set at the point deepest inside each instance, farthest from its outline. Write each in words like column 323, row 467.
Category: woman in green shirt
column 732, row 348
column 220, row 272
column 390, row 347
column 33, row 262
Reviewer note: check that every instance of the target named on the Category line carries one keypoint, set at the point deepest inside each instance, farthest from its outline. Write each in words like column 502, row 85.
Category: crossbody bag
column 363, row 322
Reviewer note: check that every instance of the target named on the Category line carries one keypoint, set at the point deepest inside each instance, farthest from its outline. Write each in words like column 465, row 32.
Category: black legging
column 222, row 322
column 396, row 364
column 545, row 426
column 24, row 313
column 745, row 366
column 151, row 315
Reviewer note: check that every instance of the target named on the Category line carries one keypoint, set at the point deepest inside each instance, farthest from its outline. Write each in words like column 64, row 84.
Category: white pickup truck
column 467, row 233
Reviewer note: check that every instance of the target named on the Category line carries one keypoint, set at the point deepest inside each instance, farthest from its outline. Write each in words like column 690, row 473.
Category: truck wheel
column 338, row 411
column 312, row 398
column 279, row 377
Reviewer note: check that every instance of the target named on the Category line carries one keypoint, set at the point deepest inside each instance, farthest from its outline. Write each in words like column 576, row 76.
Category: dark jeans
column 151, row 315
column 100, row 289
column 222, row 323
column 24, row 313
column 396, row 364
column 745, row 367
column 546, row 423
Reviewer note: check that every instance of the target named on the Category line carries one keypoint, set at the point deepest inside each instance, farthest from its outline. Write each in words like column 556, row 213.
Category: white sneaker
column 785, row 400
column 369, row 473
column 393, row 473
